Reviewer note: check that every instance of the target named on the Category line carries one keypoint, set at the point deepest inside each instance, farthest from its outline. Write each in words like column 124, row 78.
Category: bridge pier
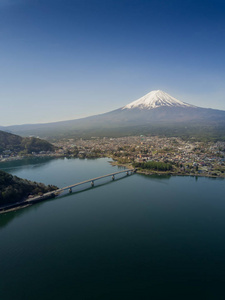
column 112, row 175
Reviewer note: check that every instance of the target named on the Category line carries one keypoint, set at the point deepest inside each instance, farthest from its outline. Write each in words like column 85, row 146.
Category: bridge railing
column 58, row 191
column 94, row 179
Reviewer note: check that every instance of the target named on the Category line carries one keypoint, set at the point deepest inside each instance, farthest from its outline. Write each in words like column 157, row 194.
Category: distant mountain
column 15, row 143
column 155, row 113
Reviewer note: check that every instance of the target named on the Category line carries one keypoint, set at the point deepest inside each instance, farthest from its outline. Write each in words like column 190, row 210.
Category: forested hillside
column 15, row 143
column 14, row 189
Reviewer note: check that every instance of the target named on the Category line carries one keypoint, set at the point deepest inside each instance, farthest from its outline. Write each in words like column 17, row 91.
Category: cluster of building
column 9, row 155
column 187, row 157
column 206, row 158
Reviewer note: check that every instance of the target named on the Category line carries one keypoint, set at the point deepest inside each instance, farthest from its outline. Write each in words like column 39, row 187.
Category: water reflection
column 162, row 179
column 157, row 176
column 143, row 237
column 6, row 218
column 26, row 163
column 89, row 187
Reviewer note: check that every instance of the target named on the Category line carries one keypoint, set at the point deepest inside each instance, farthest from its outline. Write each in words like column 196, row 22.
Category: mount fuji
column 156, row 99
column 155, row 113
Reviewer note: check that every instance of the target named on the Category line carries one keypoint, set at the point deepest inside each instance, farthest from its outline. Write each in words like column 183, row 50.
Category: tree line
column 153, row 165
column 14, row 189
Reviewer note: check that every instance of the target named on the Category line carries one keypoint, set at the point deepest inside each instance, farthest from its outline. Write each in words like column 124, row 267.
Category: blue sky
column 66, row 59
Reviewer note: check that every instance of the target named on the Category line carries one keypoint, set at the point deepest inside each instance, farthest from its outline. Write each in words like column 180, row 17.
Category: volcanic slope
column 155, row 113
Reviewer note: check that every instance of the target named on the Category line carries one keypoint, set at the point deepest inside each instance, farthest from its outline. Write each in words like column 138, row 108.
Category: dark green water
column 135, row 238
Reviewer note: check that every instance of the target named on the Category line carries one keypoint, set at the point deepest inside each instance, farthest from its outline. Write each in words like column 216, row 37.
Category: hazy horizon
column 132, row 103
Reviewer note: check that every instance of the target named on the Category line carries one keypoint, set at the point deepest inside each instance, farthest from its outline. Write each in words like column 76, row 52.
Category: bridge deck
column 55, row 192
column 93, row 179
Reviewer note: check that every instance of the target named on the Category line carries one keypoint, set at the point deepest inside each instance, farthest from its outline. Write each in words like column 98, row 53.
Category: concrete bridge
column 55, row 193
column 127, row 171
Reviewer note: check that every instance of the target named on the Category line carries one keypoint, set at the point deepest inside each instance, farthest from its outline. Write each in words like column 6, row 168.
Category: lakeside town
column 185, row 157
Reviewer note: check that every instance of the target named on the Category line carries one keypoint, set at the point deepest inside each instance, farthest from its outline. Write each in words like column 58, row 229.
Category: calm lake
column 138, row 237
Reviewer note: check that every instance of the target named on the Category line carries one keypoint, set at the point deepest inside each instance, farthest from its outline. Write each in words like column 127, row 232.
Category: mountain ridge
column 15, row 143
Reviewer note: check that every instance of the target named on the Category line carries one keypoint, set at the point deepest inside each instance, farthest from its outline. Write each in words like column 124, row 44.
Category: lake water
column 139, row 237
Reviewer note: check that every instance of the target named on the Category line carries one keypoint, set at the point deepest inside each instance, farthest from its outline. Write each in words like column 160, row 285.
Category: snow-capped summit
column 156, row 99
column 171, row 117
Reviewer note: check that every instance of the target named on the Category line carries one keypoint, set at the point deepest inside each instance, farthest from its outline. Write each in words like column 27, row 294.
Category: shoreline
column 27, row 202
column 179, row 174
column 126, row 165
column 30, row 201
column 151, row 172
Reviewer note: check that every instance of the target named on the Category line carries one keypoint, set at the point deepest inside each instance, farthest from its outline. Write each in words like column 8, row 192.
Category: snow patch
column 156, row 99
